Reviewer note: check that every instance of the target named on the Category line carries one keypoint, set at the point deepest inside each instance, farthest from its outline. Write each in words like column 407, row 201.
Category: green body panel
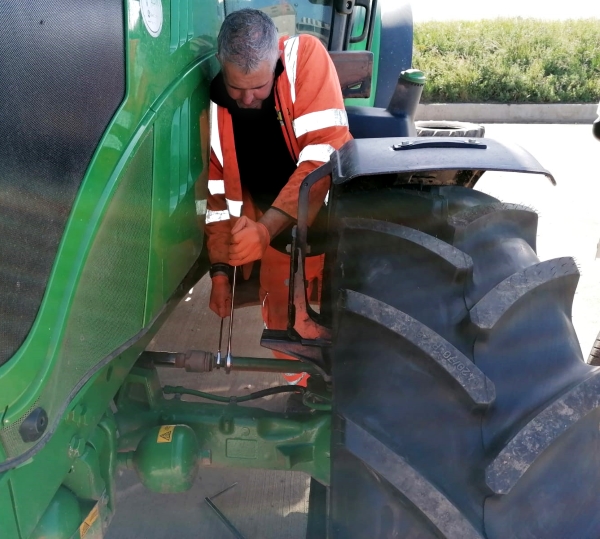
column 132, row 236
column 45, row 472
column 62, row 517
column 7, row 515
column 84, row 477
column 159, row 73
column 180, row 182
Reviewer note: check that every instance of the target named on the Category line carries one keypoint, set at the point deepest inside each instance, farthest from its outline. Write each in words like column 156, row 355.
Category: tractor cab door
column 301, row 17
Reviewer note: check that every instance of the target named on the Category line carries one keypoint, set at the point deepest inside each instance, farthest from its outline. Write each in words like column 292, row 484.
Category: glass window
column 302, row 17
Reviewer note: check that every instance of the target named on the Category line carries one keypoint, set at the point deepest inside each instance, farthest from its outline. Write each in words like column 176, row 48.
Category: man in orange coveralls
column 277, row 114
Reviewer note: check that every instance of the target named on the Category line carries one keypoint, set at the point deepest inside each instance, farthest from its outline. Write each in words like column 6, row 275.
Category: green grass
column 509, row 61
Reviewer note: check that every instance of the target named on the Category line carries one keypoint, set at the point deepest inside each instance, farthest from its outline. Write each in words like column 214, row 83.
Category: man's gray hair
column 247, row 38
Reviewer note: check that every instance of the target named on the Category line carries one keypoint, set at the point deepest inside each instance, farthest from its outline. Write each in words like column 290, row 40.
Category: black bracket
column 34, row 425
column 344, row 6
column 290, row 343
column 298, row 304
column 459, row 143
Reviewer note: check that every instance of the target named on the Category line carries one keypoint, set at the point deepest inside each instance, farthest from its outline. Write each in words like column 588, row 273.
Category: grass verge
column 509, row 61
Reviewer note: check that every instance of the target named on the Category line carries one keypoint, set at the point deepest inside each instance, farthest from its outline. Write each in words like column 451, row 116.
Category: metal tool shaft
column 223, row 491
column 224, row 519
column 219, row 513
column 228, row 359
column 220, row 340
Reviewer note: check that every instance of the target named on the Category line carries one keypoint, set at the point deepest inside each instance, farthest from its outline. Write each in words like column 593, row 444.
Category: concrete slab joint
column 511, row 114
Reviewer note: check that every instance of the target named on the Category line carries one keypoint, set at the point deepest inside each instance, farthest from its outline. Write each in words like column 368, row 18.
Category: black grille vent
column 62, row 73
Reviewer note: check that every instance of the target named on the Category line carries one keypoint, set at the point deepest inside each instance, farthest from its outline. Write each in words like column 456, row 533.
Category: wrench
column 219, row 513
column 219, row 350
column 228, row 359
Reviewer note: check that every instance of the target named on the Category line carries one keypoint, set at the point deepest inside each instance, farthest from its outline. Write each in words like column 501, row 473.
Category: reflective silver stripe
column 215, row 141
column 234, row 207
column 326, row 201
column 290, row 51
column 316, row 152
column 216, row 187
column 321, row 119
column 200, row 207
column 215, row 216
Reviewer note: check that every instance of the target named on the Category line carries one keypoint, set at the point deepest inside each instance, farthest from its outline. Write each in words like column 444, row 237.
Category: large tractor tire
column 594, row 357
column 462, row 404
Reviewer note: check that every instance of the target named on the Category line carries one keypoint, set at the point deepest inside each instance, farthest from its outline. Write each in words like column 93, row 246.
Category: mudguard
column 423, row 154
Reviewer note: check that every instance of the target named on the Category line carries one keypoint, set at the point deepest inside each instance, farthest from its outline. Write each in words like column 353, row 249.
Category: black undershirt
column 264, row 161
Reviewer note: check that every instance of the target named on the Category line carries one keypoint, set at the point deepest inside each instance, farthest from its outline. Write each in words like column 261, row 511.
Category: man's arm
column 218, row 236
column 320, row 123
column 275, row 221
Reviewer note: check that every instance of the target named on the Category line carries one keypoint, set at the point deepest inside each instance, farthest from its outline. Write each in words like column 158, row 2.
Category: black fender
column 381, row 156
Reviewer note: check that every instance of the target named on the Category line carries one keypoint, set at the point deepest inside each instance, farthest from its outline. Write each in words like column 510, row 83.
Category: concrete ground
column 569, row 216
column 273, row 504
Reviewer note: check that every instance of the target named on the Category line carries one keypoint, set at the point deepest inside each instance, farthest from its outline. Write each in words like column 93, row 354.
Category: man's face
column 248, row 89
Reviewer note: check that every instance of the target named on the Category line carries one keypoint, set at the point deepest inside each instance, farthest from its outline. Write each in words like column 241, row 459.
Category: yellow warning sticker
column 165, row 434
column 89, row 520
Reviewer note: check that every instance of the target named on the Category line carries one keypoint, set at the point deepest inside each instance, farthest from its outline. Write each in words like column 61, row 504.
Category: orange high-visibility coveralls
column 314, row 124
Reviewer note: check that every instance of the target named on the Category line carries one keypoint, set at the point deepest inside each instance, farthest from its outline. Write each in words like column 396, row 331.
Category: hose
column 179, row 390
column 219, row 398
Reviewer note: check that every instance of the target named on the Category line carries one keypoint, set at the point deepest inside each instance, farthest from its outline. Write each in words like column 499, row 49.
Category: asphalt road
column 273, row 504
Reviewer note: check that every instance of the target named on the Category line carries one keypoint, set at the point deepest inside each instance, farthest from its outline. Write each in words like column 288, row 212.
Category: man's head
column 248, row 52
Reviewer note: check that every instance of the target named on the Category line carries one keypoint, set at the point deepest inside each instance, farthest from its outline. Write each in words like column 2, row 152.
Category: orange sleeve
column 320, row 123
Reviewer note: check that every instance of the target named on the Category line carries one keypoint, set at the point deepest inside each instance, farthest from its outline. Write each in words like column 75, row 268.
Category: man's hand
column 220, row 296
column 249, row 241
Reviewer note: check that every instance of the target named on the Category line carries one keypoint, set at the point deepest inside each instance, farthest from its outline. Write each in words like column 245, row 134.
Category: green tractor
column 448, row 395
